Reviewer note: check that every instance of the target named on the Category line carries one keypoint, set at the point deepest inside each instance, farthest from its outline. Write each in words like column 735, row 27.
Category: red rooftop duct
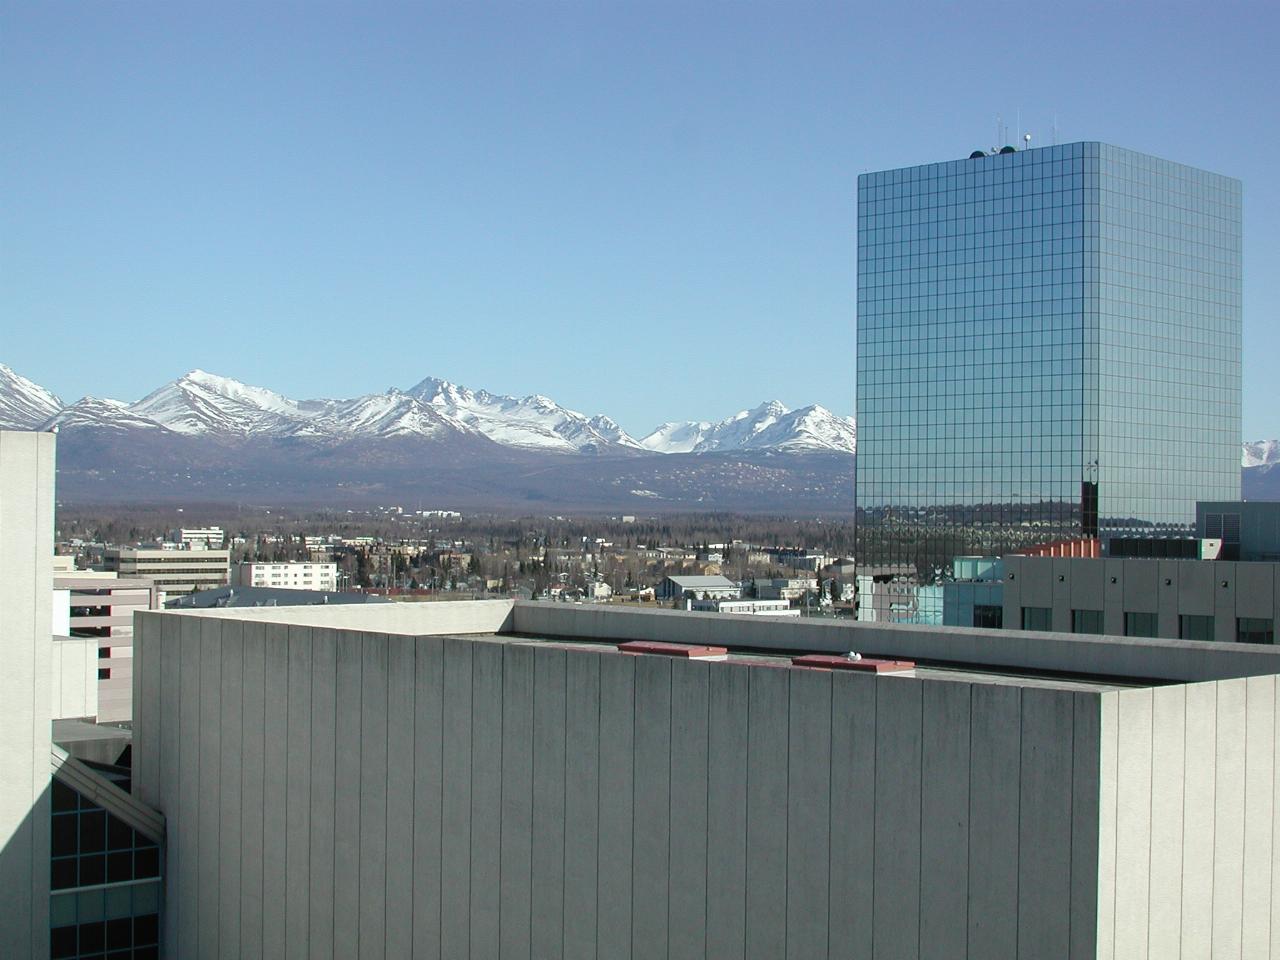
column 685, row 650
column 827, row 661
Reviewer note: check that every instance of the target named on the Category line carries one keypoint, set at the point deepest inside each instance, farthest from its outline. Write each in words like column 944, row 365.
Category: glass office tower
column 1048, row 349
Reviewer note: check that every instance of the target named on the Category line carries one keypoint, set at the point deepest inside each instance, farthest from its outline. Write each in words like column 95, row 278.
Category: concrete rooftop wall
column 334, row 793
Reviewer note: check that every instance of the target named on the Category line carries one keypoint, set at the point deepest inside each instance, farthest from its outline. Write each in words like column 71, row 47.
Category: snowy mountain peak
column 533, row 422
column 24, row 405
column 1260, row 453
column 770, row 426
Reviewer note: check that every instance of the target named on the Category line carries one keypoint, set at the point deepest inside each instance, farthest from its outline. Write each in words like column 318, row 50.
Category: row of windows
column 1145, row 624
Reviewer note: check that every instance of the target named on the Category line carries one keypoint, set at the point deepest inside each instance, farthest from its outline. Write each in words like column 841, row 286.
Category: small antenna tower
column 1055, row 129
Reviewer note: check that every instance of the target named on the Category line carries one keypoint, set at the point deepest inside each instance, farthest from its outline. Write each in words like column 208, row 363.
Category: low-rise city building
column 172, row 571
column 292, row 576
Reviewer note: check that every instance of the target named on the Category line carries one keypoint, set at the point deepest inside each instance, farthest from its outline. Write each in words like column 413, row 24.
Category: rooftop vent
column 1008, row 149
column 976, row 154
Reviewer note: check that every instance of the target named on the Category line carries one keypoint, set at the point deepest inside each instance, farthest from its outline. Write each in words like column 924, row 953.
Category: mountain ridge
column 203, row 404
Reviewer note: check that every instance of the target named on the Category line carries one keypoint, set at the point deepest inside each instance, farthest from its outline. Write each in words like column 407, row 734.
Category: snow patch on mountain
column 24, row 405
column 535, row 421
column 770, row 426
column 1260, row 453
column 102, row 414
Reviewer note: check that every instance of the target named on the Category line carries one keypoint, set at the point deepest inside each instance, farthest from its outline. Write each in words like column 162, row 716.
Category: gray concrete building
column 1217, row 600
column 501, row 779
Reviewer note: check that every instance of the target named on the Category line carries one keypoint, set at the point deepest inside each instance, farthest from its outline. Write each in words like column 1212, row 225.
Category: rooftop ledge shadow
column 1123, row 658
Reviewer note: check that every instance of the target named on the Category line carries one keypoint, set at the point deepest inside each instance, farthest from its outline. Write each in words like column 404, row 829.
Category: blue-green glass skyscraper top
column 1048, row 348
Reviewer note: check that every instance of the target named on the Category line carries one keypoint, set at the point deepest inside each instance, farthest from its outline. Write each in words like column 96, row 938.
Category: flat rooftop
column 1006, row 657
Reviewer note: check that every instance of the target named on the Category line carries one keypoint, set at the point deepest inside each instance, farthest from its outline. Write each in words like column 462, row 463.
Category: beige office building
column 172, row 571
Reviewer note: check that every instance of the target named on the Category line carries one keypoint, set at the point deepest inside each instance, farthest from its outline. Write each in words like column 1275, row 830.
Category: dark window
column 93, row 830
column 104, row 653
column 62, row 943
column 988, row 616
column 1195, row 628
column 146, row 862
column 1140, row 625
column 104, row 673
column 64, row 835
column 1086, row 621
column 119, row 835
column 64, row 874
column 1255, row 630
column 1037, row 618
column 93, row 870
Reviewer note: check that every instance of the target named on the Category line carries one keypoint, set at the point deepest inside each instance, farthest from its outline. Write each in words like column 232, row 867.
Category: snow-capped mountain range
column 200, row 404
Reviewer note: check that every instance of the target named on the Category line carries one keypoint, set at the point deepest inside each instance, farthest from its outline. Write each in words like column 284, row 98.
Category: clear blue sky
column 640, row 209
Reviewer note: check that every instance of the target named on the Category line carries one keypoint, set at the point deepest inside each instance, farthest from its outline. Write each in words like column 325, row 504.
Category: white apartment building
column 291, row 576
column 201, row 538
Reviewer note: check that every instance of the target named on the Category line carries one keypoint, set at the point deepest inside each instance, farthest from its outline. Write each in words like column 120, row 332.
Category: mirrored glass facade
column 1048, row 348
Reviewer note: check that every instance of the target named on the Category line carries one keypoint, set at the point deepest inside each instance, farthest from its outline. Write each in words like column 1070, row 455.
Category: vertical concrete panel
column 896, row 920
column 517, row 800
column 486, row 797
column 1044, row 823
column 168, row 796
column 400, row 781
column 994, row 779
column 944, row 820
column 185, row 835
column 1275, row 824
column 209, row 742
column 727, row 810
column 617, row 800
column 349, row 666
column 1259, row 808
column 1085, row 808
column 548, row 841
column 455, row 841
column 275, row 799
column 298, row 791
column 1133, row 824
column 324, row 690
column 1168, row 754
column 428, row 745
column 252, row 797
column 582, row 794
column 1198, row 819
column 373, row 796
column 809, row 813
column 1108, row 786
column 146, row 699
column 230, row 775
column 688, row 897
column 650, row 835
column 767, row 735
column 1228, row 820
column 853, row 777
